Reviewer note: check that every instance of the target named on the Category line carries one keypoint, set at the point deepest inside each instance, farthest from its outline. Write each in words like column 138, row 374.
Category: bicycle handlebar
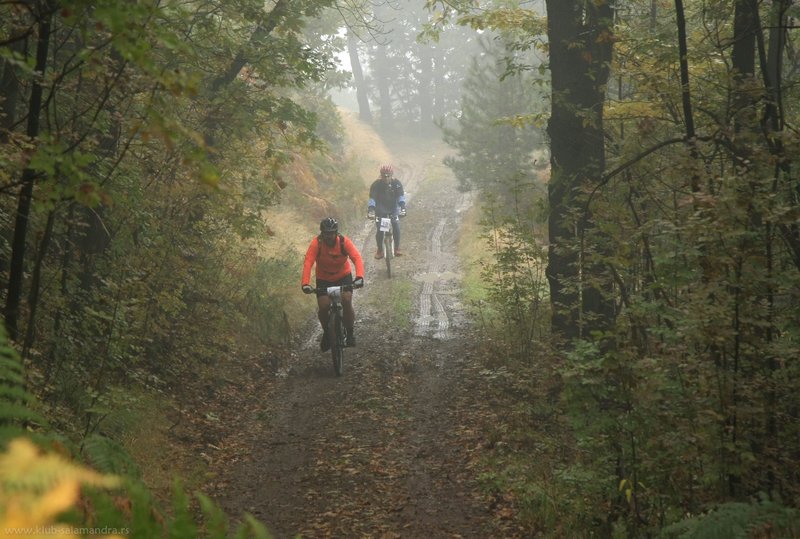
column 377, row 218
column 343, row 288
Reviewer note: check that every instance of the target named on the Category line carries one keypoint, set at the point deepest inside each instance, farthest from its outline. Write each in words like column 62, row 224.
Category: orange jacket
column 331, row 265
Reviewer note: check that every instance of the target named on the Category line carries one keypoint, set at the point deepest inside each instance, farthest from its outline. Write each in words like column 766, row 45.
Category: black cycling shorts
column 322, row 286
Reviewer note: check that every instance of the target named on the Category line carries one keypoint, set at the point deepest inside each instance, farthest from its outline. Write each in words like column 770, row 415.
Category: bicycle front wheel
column 337, row 346
column 388, row 250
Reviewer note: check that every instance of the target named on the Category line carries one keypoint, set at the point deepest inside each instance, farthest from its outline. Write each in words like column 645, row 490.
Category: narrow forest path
column 391, row 448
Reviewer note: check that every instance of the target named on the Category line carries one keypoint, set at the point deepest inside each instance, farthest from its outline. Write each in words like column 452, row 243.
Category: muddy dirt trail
column 389, row 449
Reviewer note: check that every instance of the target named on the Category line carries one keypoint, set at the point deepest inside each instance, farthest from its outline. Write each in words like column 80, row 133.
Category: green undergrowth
column 397, row 292
column 150, row 441
column 472, row 254
column 527, row 462
column 50, row 484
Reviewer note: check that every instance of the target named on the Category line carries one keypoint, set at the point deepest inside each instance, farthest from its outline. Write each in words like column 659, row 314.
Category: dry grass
column 294, row 222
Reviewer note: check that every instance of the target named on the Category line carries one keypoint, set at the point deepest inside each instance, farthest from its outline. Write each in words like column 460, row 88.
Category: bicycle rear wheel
column 337, row 345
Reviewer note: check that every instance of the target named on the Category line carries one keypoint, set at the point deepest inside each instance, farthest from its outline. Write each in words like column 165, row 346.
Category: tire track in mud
column 436, row 312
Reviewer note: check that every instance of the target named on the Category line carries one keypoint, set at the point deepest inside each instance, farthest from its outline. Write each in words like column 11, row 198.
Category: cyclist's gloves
column 371, row 212
column 402, row 211
column 358, row 282
column 307, row 289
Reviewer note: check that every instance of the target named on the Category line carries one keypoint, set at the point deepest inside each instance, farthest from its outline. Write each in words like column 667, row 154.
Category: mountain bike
column 336, row 332
column 384, row 224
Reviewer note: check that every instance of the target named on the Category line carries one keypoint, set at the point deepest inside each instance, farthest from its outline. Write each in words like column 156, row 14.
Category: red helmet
column 387, row 170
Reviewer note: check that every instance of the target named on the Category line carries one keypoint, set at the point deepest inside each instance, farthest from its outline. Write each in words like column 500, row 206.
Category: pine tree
column 493, row 140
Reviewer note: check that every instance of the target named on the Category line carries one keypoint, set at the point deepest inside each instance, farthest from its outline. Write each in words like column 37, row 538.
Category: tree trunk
column 439, row 83
column 771, row 68
column 364, row 113
column 775, row 122
column 270, row 22
column 424, row 93
column 15, row 279
column 9, row 89
column 579, row 75
column 686, row 96
column 36, row 279
column 265, row 27
column 745, row 27
column 383, row 82
column 743, row 60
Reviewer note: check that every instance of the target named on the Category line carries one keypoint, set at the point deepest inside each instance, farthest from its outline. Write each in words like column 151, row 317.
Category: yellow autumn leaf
column 36, row 487
column 21, row 512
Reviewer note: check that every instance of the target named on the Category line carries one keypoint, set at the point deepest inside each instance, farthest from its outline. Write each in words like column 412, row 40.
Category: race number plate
column 335, row 292
column 386, row 224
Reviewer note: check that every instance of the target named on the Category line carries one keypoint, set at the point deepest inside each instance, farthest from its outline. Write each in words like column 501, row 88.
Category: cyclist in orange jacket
column 330, row 252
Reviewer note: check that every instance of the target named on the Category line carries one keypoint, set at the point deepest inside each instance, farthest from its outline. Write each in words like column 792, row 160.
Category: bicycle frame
column 335, row 324
column 336, row 328
column 385, row 225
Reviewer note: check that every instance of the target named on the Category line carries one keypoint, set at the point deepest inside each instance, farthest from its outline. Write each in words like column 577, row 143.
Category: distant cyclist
column 387, row 199
column 330, row 252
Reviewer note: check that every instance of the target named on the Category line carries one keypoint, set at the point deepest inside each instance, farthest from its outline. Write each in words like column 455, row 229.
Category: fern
column 738, row 520
column 216, row 523
column 10, row 366
column 27, row 471
column 107, row 456
column 16, row 403
column 15, row 393
column 252, row 528
column 182, row 525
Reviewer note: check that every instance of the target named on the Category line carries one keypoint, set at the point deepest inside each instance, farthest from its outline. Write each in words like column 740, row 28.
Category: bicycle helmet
column 329, row 224
column 387, row 170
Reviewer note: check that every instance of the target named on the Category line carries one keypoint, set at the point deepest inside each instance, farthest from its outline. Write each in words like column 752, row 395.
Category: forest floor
column 393, row 447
